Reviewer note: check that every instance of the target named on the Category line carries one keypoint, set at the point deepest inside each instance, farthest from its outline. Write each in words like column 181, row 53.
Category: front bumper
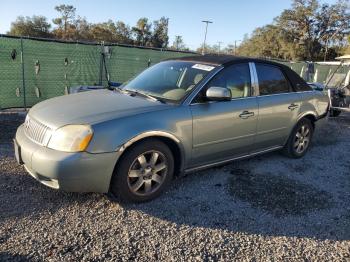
column 72, row 172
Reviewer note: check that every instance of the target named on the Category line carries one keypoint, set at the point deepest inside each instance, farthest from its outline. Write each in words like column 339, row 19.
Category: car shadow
column 270, row 195
column 22, row 196
column 233, row 198
column 5, row 256
column 236, row 199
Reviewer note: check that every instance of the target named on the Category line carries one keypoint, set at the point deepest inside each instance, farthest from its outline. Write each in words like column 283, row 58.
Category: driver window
column 235, row 77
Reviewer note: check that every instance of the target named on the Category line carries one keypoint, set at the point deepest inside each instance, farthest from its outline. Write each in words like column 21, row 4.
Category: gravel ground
column 266, row 208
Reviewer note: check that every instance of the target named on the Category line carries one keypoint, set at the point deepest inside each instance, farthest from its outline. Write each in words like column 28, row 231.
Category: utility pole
column 167, row 32
column 236, row 46
column 177, row 38
column 219, row 43
column 205, row 35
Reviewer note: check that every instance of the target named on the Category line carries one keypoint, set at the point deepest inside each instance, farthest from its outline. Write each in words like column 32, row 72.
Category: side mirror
column 216, row 93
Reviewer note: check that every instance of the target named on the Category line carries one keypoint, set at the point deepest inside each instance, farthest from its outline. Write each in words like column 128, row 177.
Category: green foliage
column 160, row 33
column 69, row 26
column 142, row 32
column 347, row 50
column 307, row 31
column 36, row 26
column 215, row 49
column 179, row 44
column 123, row 33
column 65, row 23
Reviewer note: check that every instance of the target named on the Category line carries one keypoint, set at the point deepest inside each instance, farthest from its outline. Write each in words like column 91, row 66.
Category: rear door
column 278, row 104
column 225, row 129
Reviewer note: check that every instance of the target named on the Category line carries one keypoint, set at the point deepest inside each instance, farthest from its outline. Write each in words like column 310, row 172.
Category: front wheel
column 300, row 139
column 144, row 172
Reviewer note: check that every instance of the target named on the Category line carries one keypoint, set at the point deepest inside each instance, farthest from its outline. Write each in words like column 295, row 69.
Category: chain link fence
column 32, row 70
column 318, row 72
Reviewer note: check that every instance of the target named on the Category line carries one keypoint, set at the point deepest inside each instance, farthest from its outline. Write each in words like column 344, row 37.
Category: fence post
column 101, row 64
column 23, row 79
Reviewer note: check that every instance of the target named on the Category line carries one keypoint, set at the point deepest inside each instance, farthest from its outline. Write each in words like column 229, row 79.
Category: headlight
column 71, row 138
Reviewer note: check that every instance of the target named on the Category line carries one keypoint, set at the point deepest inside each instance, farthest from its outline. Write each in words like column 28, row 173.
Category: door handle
column 246, row 114
column 292, row 106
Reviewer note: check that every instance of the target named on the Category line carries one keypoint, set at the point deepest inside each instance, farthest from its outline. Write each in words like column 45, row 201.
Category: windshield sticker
column 203, row 67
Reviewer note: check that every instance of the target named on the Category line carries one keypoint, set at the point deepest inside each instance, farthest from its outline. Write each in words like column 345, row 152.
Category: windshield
column 169, row 80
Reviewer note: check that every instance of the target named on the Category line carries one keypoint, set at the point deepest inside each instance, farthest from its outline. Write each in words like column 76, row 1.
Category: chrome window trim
column 255, row 92
column 233, row 99
column 299, row 92
column 253, row 84
column 254, row 79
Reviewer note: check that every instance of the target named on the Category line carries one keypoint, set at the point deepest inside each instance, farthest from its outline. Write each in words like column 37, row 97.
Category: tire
column 143, row 172
column 334, row 112
column 300, row 139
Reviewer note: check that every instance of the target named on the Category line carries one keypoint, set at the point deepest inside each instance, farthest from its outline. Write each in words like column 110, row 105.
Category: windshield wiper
column 125, row 91
column 135, row 92
column 119, row 89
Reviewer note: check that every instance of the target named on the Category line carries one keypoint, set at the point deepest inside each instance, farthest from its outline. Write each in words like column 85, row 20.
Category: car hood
column 91, row 107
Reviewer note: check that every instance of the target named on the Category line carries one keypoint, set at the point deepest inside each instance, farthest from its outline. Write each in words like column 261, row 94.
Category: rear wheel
column 299, row 140
column 144, row 172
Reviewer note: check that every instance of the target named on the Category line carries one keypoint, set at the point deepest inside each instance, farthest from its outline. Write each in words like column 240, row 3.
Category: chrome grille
column 36, row 131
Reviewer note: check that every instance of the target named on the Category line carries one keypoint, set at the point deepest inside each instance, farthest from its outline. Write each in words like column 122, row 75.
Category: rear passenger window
column 271, row 80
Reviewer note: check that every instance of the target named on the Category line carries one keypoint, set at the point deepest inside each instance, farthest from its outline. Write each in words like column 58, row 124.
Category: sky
column 232, row 19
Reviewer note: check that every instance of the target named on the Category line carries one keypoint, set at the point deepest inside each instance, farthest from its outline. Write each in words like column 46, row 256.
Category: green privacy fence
column 32, row 70
column 318, row 72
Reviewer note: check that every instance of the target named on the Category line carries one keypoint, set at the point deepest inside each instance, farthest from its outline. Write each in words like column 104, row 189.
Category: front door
column 225, row 129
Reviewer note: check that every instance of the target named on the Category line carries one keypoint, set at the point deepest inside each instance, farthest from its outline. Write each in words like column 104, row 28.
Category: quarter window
column 271, row 80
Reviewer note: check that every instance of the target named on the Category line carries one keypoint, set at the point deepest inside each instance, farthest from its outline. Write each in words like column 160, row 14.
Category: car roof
column 222, row 60
column 225, row 60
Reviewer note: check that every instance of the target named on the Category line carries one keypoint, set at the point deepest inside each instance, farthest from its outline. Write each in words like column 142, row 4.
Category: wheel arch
column 170, row 140
column 308, row 115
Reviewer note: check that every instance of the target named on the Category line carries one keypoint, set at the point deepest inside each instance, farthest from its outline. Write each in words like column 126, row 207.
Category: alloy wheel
column 147, row 173
column 302, row 139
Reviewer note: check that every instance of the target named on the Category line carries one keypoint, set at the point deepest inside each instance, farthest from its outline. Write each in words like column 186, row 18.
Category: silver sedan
column 175, row 117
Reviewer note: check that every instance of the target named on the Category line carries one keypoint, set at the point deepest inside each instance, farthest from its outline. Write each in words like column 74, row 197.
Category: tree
column 35, row 26
column 82, row 29
column 347, row 50
column 65, row 22
column 307, row 31
column 267, row 41
column 160, row 37
column 70, row 27
column 103, row 32
column 209, row 49
column 334, row 24
column 142, row 32
column 123, row 33
column 314, row 27
column 179, row 44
